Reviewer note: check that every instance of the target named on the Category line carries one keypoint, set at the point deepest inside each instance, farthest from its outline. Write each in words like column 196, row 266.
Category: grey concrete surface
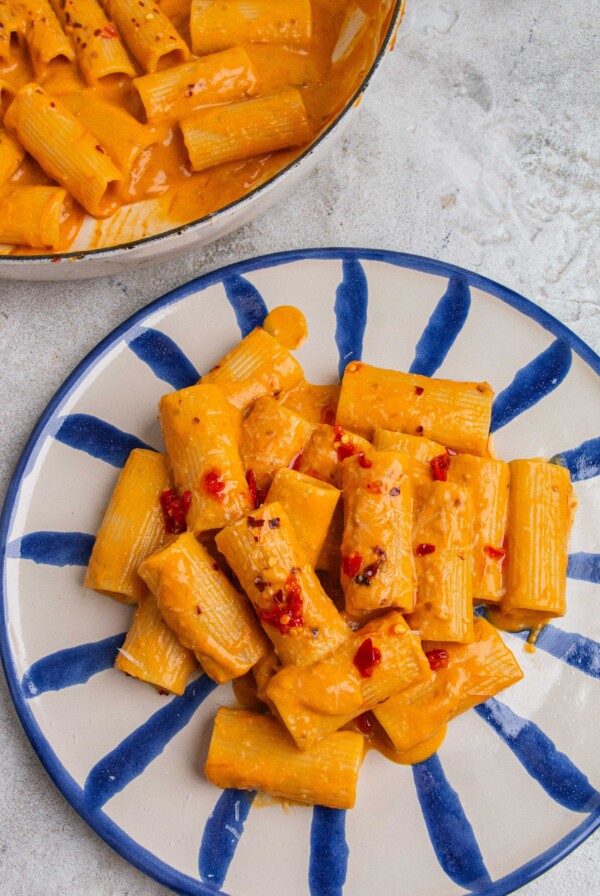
column 478, row 144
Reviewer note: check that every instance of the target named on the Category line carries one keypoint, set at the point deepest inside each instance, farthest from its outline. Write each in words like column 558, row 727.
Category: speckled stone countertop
column 479, row 144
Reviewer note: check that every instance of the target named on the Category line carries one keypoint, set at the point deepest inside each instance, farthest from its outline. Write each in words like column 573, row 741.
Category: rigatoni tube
column 66, row 151
column 239, row 131
column 217, row 24
column 200, row 433
column 153, row 653
column 219, row 78
column 296, row 613
column 442, row 546
column 455, row 414
column 368, row 667
column 133, row 527
column 32, row 216
column 205, row 611
column 254, row 752
column 377, row 564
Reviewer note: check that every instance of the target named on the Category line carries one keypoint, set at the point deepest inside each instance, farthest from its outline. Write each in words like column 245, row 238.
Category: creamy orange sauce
column 162, row 172
column 287, row 325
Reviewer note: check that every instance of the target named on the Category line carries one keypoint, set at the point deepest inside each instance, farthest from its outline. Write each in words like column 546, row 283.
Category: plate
column 516, row 784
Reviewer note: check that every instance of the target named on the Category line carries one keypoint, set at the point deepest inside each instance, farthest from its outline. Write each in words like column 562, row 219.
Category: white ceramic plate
column 515, row 785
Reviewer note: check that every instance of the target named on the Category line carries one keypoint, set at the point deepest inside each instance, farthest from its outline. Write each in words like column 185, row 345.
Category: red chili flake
column 440, row 466
column 198, row 609
column 345, row 450
column 366, row 658
column 375, row 487
column 364, row 461
column 328, row 415
column 370, row 571
column 100, row 149
column 438, row 659
column 213, row 485
column 338, row 432
column 351, row 564
column 162, row 692
column 419, row 390
column 494, row 553
column 260, row 584
column 422, row 549
column 55, row 259
column 419, row 430
column 255, row 524
column 286, row 608
column 395, row 491
column 108, row 31
column 297, row 461
column 365, row 722
column 175, row 509
column 257, row 495
column 274, row 523
column 215, row 566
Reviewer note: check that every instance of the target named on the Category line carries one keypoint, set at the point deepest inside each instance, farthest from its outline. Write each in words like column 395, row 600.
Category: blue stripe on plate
column 443, row 327
column 450, row 831
column 553, row 770
column 97, row 438
column 53, row 548
column 222, row 833
column 328, row 852
column 585, row 567
column 569, row 647
column 164, row 358
column 532, row 383
column 73, row 665
column 583, row 461
column 246, row 301
column 351, row 302
column 129, row 759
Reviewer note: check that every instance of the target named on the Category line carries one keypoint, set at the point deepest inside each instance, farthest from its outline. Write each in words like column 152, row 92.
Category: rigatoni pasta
column 219, row 24
column 382, row 640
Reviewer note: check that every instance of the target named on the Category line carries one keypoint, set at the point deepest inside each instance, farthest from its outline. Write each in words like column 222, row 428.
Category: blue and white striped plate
column 516, row 784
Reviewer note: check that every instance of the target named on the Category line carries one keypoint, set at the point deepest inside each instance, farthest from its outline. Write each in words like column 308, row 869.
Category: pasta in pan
column 332, row 572
column 151, row 115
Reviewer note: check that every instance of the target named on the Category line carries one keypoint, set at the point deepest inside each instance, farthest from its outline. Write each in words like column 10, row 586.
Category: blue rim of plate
column 107, row 251
column 110, row 832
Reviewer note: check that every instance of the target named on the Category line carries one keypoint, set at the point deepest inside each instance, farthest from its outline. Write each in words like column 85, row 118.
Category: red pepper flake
column 286, row 608
column 370, row 571
column 175, row 509
column 198, row 609
column 375, row 487
column 366, row 658
column 55, row 259
column 395, row 491
column 257, row 495
column 260, row 584
column 213, row 485
column 438, row 659
column 274, row 523
column 328, row 415
column 297, row 461
column 494, row 553
column 419, row 430
column 365, row 723
column 440, row 466
column 423, row 549
column 345, row 450
column 215, row 566
column 364, row 461
column 255, row 524
column 419, row 390
column 108, row 32
column 351, row 564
